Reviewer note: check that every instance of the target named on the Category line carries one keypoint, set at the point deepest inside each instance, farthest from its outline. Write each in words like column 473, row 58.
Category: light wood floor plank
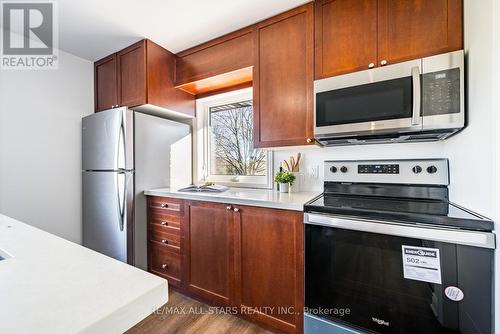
column 169, row 321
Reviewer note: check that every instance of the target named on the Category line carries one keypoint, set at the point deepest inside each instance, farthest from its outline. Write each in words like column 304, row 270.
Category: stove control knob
column 417, row 169
column 333, row 169
column 343, row 169
column 432, row 169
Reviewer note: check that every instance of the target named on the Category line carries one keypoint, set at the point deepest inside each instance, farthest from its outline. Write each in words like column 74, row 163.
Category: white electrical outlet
column 314, row 172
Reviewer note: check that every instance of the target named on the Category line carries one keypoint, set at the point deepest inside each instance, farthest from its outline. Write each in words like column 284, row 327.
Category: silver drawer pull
column 165, row 241
column 164, row 205
column 164, row 223
column 228, row 208
column 236, row 209
column 164, row 266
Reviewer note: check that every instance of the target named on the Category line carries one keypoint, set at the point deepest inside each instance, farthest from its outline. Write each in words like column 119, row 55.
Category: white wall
column 494, row 125
column 40, row 140
column 313, row 157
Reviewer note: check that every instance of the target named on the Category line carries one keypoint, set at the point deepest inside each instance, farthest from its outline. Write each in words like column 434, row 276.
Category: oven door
column 376, row 101
column 367, row 276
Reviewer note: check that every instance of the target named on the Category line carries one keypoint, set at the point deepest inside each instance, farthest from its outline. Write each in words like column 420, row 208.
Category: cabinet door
column 345, row 36
column 283, row 79
column 132, row 75
column 269, row 265
column 410, row 29
column 105, row 80
column 225, row 54
column 209, row 240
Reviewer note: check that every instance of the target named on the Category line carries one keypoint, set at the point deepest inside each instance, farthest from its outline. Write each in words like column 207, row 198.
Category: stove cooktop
column 406, row 210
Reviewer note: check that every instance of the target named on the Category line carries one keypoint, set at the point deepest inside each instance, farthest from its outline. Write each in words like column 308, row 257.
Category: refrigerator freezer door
column 162, row 159
column 108, row 213
column 107, row 140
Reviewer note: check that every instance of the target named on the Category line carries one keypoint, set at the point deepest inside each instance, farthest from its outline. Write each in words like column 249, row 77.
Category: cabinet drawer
column 165, row 263
column 171, row 206
column 160, row 220
column 169, row 241
column 153, row 228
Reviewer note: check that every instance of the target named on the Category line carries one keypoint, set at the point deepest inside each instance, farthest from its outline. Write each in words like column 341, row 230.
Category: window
column 226, row 124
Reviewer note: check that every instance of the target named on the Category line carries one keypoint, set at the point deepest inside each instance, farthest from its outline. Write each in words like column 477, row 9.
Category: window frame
column 203, row 143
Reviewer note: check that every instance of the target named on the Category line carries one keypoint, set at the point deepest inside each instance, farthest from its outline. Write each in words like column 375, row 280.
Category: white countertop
column 51, row 285
column 244, row 196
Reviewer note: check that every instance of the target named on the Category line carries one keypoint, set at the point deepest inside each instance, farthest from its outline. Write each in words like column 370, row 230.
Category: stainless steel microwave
column 417, row 100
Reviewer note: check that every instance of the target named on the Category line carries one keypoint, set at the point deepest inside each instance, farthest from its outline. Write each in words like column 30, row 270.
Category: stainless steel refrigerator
column 124, row 153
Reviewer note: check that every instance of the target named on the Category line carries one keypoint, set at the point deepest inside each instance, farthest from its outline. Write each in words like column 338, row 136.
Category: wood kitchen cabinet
column 166, row 224
column 223, row 63
column 269, row 265
column 105, row 82
column 246, row 257
column 346, row 36
column 140, row 75
column 410, row 29
column 283, row 79
column 352, row 35
column 209, row 260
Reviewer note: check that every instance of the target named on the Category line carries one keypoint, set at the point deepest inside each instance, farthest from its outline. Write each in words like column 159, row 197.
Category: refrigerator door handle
column 121, row 156
column 121, row 191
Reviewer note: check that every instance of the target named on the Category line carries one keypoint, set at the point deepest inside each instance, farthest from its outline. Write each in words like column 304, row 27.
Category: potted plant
column 285, row 179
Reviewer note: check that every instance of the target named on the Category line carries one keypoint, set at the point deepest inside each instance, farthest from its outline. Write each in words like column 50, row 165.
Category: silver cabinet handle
column 164, row 223
column 371, row 65
column 415, row 75
column 164, row 205
column 383, row 62
column 164, row 266
column 165, row 241
column 228, row 208
column 236, row 210
column 309, row 140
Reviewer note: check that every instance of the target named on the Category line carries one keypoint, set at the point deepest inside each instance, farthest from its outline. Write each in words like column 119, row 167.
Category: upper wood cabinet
column 409, row 29
column 283, row 79
column 218, row 64
column 209, row 240
column 142, row 74
column 346, row 36
column 132, row 86
column 105, row 83
column 352, row 35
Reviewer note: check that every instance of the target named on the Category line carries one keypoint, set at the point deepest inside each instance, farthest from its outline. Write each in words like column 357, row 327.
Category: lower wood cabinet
column 209, row 241
column 270, row 266
column 246, row 257
column 165, row 238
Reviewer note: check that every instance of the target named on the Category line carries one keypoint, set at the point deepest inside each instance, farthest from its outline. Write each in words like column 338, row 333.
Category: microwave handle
column 417, row 96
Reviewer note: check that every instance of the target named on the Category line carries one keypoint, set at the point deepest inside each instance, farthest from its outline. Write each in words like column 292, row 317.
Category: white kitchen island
column 51, row 285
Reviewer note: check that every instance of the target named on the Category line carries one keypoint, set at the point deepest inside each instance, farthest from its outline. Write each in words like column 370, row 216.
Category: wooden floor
column 185, row 315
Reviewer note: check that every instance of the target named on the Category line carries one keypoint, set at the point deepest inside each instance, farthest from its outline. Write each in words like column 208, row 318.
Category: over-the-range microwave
column 417, row 100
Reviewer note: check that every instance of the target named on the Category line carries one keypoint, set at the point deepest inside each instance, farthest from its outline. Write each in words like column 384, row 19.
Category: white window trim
column 201, row 143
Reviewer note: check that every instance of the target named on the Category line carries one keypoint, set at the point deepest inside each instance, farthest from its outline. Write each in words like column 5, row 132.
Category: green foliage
column 284, row 177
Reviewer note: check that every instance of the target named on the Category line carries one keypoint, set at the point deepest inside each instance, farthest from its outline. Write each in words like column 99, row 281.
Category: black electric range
column 384, row 242
column 401, row 204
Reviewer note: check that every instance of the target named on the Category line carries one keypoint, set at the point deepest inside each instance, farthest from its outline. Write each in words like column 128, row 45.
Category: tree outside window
column 231, row 139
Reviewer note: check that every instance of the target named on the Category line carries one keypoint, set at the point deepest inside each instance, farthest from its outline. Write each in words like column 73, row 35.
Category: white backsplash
column 311, row 165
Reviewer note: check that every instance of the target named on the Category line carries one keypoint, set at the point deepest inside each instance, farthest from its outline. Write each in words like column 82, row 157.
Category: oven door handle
column 461, row 237
column 417, row 96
